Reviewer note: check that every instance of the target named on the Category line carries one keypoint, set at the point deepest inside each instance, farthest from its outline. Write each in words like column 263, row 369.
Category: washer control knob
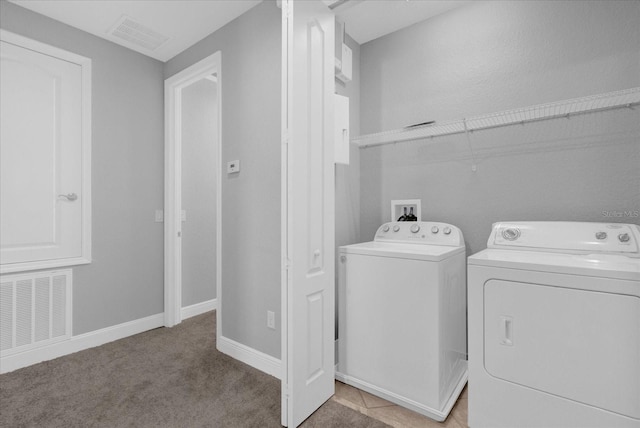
column 446, row 230
column 385, row 228
column 624, row 237
column 435, row 229
column 601, row 235
column 511, row 234
column 396, row 228
column 415, row 228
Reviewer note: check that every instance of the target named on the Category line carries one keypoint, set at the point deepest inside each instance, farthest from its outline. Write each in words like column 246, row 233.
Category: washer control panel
column 420, row 232
column 567, row 237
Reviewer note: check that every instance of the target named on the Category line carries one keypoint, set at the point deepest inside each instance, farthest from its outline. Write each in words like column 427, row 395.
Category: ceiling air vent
column 135, row 33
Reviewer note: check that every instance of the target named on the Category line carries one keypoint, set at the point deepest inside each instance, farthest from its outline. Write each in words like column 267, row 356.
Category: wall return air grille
column 35, row 310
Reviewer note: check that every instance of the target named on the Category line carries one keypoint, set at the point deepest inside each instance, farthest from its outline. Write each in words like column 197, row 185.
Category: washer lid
column 432, row 253
column 600, row 265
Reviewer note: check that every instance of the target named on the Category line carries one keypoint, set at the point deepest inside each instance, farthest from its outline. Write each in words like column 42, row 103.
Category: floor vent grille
column 35, row 310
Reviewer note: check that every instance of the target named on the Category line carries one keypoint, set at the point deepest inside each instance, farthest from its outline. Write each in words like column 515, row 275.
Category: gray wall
column 199, row 169
column 125, row 280
column 493, row 56
column 250, row 102
column 348, row 176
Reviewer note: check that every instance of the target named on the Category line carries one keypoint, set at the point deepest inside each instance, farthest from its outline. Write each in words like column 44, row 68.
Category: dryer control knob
column 601, row 235
column 435, row 229
column 624, row 237
column 385, row 228
column 511, row 234
column 446, row 230
column 415, row 228
column 396, row 228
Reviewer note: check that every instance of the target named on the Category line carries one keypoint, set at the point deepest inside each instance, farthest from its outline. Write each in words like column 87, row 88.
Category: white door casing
column 173, row 187
column 45, row 136
column 308, row 204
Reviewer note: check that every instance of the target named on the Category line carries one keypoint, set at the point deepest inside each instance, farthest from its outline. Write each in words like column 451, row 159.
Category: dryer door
column 577, row 344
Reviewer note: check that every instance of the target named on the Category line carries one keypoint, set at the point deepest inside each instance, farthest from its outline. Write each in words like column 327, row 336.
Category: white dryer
column 554, row 326
column 402, row 316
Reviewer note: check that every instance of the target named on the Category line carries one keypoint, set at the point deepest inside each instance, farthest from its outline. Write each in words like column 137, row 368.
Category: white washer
column 554, row 326
column 402, row 316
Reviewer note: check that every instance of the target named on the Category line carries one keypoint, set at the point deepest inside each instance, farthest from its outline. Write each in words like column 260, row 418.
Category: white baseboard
column 198, row 308
column 259, row 360
column 79, row 343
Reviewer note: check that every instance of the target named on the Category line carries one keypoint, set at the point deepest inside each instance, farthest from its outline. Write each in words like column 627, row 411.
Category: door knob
column 69, row 197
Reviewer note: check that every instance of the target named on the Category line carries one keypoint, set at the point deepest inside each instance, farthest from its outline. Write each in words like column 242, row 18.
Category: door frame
column 285, row 263
column 173, row 186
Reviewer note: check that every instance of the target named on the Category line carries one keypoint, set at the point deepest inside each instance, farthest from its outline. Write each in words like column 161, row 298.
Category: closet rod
column 628, row 98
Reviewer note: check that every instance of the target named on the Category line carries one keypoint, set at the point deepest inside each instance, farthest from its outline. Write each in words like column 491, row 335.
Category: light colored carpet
column 162, row 378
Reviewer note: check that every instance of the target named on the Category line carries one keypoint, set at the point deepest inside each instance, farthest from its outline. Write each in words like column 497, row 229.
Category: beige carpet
column 162, row 378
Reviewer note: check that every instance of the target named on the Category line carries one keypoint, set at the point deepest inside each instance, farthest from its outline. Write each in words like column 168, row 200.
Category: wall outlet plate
column 271, row 320
column 233, row 166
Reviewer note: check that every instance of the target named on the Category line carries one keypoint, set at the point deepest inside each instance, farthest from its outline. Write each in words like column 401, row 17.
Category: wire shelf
column 611, row 100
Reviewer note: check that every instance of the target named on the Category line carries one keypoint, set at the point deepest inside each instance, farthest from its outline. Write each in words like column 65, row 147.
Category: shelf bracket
column 474, row 164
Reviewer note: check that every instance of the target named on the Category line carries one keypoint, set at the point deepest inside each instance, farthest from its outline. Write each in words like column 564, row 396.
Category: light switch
column 233, row 166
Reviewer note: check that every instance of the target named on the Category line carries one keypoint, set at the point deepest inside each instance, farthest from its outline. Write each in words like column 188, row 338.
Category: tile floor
column 397, row 416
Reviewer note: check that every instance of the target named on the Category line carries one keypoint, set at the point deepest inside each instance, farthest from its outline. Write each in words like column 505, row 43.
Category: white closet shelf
column 611, row 100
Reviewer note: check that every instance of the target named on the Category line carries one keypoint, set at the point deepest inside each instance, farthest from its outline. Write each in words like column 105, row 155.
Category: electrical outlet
column 233, row 166
column 271, row 320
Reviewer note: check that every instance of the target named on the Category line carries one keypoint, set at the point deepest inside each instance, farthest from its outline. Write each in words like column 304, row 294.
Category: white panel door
column 309, row 43
column 41, row 156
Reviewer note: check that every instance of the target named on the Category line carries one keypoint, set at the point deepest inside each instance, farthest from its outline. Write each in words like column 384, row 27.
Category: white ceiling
column 368, row 20
column 185, row 22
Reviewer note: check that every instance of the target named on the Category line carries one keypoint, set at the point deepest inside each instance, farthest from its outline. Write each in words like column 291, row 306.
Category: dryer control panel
column 420, row 232
column 567, row 237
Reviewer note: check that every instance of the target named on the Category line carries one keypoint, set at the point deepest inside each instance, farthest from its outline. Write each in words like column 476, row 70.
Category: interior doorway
column 192, row 209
